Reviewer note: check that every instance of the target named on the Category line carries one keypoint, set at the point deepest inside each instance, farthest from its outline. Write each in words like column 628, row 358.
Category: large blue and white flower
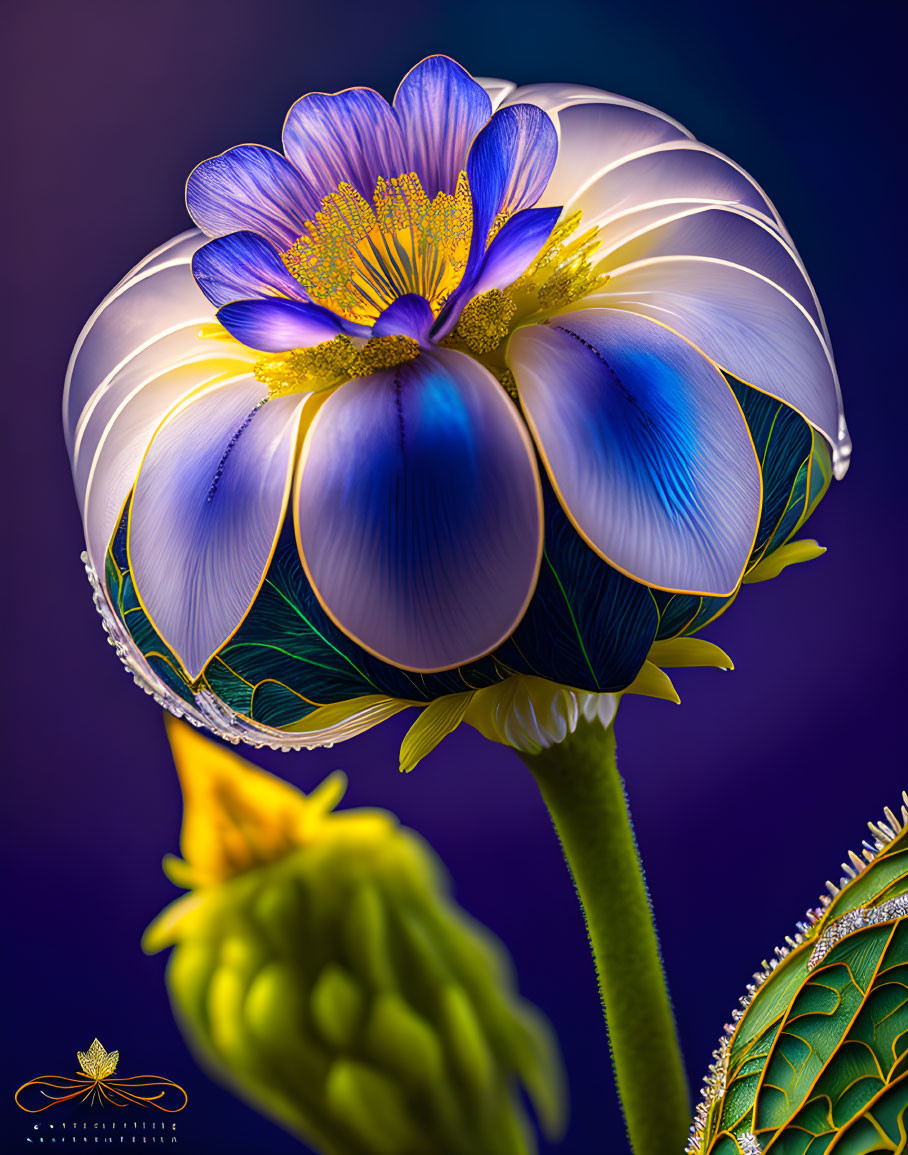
column 488, row 382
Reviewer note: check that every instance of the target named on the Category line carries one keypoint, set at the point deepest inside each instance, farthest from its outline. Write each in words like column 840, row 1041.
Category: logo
column 95, row 1085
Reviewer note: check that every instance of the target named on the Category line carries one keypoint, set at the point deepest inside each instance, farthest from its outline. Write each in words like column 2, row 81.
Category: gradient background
column 745, row 799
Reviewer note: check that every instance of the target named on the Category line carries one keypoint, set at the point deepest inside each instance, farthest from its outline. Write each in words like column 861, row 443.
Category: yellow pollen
column 484, row 322
column 563, row 270
column 332, row 362
column 356, row 258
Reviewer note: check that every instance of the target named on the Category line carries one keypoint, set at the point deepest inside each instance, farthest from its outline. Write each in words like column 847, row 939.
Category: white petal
column 724, row 232
column 142, row 308
column 206, row 512
column 107, row 474
column 683, row 170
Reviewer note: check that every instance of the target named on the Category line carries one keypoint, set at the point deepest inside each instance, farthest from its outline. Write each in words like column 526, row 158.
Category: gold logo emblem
column 95, row 1084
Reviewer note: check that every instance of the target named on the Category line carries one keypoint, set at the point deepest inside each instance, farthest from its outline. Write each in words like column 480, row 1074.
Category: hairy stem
column 581, row 786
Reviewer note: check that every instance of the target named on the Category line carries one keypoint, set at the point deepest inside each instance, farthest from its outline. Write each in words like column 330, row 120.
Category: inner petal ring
column 356, row 258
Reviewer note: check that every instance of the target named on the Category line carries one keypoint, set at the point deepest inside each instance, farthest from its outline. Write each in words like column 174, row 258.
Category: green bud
column 321, row 969
column 816, row 1058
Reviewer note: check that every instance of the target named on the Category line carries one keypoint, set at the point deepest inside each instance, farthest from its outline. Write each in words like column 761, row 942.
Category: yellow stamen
column 355, row 258
column 332, row 362
column 563, row 270
column 485, row 320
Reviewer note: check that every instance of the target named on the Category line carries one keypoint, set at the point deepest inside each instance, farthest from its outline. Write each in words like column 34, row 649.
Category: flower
column 487, row 383
column 322, row 970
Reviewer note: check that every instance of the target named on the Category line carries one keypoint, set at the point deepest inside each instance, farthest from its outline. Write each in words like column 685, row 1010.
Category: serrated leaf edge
column 714, row 1082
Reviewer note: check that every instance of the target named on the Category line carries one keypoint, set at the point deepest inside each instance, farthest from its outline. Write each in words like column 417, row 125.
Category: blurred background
column 745, row 798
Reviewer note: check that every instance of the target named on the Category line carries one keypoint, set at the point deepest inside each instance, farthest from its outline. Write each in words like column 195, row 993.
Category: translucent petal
column 680, row 170
column 728, row 234
column 145, row 306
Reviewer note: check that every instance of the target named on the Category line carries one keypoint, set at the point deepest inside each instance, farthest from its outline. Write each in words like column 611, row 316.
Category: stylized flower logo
column 502, row 383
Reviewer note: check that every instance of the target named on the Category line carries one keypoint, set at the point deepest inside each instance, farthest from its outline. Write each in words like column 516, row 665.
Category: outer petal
column 243, row 265
column 440, row 108
column 745, row 323
column 146, row 306
column 419, row 512
column 728, row 234
column 677, row 171
column 509, row 165
column 350, row 136
column 645, row 445
column 278, row 325
column 122, row 424
column 206, row 513
column 555, row 97
column 173, row 251
column 591, row 136
column 249, row 187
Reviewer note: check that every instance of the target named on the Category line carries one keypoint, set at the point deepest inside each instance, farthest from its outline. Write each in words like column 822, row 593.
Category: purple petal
column 350, row 136
column 509, row 165
column 409, row 315
column 440, row 108
column 746, row 324
column 206, row 513
column 419, row 512
column 499, row 90
column 252, row 188
column 645, row 445
column 242, row 265
column 510, row 253
column 278, row 325
column 513, row 248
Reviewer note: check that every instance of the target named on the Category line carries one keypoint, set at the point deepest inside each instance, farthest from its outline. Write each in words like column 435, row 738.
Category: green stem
column 581, row 786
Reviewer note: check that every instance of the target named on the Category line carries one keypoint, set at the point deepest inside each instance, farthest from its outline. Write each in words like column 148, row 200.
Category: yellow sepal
column 793, row 553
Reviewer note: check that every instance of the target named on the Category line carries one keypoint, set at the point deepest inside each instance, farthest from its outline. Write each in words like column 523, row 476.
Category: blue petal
column 249, row 187
column 509, row 255
column 350, row 136
column 509, row 165
column 278, row 325
column 419, row 512
column 645, row 445
column 242, row 265
column 410, row 315
column 440, row 108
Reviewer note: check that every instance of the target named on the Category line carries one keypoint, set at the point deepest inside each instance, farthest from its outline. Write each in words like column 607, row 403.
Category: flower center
column 356, row 258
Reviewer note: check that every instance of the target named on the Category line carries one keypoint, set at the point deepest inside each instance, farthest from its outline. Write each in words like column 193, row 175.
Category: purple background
column 745, row 799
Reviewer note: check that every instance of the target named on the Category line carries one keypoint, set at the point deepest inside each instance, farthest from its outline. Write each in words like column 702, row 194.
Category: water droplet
column 841, row 454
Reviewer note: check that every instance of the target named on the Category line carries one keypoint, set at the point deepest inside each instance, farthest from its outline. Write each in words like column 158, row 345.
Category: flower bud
column 322, row 970
column 816, row 1055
